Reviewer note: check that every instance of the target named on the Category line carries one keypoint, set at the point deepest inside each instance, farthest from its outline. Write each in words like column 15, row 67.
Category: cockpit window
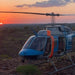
column 36, row 43
column 28, row 42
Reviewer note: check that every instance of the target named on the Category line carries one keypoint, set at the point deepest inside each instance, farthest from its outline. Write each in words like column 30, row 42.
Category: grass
column 28, row 70
column 5, row 57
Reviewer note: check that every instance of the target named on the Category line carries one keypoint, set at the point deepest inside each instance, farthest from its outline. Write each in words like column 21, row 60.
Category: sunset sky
column 40, row 6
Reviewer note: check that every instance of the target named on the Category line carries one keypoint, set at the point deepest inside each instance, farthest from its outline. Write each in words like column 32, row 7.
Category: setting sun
column 1, row 23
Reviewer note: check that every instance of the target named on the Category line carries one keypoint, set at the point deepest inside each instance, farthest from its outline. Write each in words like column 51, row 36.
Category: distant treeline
column 69, row 24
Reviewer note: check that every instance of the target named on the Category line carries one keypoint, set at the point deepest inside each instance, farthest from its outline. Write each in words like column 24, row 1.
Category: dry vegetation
column 11, row 41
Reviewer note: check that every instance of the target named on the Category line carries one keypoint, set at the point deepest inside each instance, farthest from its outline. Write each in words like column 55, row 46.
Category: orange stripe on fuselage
column 52, row 40
column 48, row 33
column 52, row 46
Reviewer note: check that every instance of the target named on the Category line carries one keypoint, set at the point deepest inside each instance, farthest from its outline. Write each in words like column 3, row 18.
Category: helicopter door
column 61, row 46
column 73, row 44
column 48, row 47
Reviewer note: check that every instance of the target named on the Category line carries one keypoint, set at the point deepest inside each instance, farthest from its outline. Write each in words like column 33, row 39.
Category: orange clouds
column 10, row 5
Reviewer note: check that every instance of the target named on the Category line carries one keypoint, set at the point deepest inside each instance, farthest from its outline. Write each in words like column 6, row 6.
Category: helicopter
column 53, row 41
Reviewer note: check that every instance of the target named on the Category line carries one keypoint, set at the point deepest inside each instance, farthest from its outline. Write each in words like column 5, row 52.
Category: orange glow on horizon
column 1, row 24
column 10, row 5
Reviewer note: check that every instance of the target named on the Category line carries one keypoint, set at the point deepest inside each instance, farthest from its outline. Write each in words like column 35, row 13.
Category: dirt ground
column 8, row 66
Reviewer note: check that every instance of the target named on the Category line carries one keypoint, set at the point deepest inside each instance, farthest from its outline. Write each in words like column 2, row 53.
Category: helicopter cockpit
column 37, row 45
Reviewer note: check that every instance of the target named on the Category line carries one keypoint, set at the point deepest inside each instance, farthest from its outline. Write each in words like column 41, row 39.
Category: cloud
column 73, row 0
column 49, row 3
column 20, row 5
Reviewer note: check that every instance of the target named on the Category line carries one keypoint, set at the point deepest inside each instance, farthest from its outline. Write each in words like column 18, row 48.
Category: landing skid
column 57, row 70
column 49, row 60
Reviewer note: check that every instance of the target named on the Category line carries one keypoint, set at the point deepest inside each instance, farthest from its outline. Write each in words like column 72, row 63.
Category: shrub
column 5, row 57
column 28, row 70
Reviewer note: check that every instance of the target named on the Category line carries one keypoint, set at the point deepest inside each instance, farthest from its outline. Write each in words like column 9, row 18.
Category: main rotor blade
column 67, row 14
column 22, row 12
column 47, row 14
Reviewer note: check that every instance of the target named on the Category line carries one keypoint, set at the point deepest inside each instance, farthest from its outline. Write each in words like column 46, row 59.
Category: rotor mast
column 52, row 19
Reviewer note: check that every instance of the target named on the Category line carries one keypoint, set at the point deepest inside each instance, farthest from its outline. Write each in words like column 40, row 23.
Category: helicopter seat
column 48, row 33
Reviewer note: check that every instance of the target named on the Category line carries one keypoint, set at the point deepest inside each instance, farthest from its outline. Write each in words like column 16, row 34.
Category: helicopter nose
column 22, row 53
column 30, row 52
